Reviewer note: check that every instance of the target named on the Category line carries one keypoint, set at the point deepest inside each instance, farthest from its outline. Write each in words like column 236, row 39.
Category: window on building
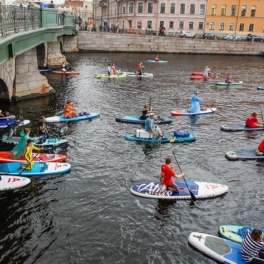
column 223, row 11
column 140, row 7
column 213, row 10
column 243, row 11
column 149, row 23
column 131, row 8
column 124, row 8
column 192, row 9
column 233, row 10
column 241, row 27
column 200, row 25
column 190, row 25
column 212, row 26
column 161, row 24
column 162, row 8
column 172, row 8
column 150, row 8
column 253, row 11
column 182, row 11
column 222, row 26
column 231, row 26
column 171, row 24
column 202, row 9
column 251, row 27
column 181, row 25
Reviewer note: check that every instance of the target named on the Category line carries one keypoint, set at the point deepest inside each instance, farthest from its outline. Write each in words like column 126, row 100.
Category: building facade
column 174, row 15
column 238, row 17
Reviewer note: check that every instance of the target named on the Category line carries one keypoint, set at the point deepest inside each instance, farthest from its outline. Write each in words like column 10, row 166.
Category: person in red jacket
column 167, row 173
column 252, row 121
column 140, row 68
column 260, row 149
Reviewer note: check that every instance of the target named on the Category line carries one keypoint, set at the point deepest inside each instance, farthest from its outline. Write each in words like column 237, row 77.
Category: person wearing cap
column 28, row 155
column 151, row 127
column 228, row 78
column 195, row 103
column 206, row 72
column 253, row 122
column 43, row 129
column 69, row 110
column 19, row 150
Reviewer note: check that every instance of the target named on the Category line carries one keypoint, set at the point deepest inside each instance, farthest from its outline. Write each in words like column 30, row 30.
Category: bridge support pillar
column 29, row 83
column 55, row 57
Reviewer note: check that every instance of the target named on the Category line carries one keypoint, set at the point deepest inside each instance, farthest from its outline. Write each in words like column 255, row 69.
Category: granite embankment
column 110, row 42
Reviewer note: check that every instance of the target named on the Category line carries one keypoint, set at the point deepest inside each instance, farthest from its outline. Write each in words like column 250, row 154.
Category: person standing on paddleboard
column 206, row 72
column 109, row 68
column 140, row 68
column 166, row 175
column 252, row 121
column 151, row 127
column 43, row 129
column 195, row 103
column 63, row 66
column 252, row 245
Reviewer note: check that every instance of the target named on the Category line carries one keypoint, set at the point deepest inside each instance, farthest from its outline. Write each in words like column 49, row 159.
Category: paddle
column 192, row 195
column 206, row 101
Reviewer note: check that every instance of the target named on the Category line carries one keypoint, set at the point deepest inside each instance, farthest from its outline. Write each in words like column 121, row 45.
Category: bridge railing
column 15, row 18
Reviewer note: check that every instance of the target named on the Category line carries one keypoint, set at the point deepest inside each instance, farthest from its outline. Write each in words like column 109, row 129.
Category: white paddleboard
column 25, row 122
column 12, row 182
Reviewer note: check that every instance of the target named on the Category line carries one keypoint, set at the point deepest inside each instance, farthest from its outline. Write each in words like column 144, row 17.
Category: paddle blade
column 193, row 196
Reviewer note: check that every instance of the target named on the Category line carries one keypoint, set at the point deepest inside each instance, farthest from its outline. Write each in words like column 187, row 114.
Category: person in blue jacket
column 195, row 107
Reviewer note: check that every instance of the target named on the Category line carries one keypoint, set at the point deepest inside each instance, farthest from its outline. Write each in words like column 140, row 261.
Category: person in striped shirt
column 251, row 246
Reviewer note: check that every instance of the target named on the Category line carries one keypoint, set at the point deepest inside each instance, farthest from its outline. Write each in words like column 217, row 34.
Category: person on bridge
column 252, row 121
column 140, row 68
column 69, row 110
column 51, row 5
column 195, row 103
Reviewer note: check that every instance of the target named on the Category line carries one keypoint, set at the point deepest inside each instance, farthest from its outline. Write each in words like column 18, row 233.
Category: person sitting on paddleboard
column 145, row 112
column 252, row 245
column 43, row 129
column 228, row 78
column 157, row 58
column 69, row 110
column 2, row 115
column 63, row 66
column 151, row 127
column 260, row 150
column 252, row 121
column 140, row 68
column 167, row 173
column 206, row 72
column 195, row 104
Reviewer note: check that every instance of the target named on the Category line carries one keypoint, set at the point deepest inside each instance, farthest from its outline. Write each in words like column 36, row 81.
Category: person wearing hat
column 195, row 103
column 228, row 78
column 151, row 127
column 253, row 122
column 28, row 155
column 206, row 72
column 69, row 110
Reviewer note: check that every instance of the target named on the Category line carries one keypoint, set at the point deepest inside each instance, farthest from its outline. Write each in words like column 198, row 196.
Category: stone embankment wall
column 111, row 42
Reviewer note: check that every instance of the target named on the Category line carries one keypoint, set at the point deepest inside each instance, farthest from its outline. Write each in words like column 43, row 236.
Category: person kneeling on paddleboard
column 252, row 246
column 195, row 106
column 151, row 127
column 167, row 173
column 228, row 78
column 252, row 121
column 260, row 149
column 69, row 110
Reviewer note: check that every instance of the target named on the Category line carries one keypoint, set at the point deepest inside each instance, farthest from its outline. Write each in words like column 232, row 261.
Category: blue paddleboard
column 62, row 119
column 154, row 61
column 244, row 154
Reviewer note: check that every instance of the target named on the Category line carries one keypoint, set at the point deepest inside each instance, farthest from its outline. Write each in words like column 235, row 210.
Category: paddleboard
column 144, row 74
column 5, row 123
column 50, row 142
column 186, row 113
column 136, row 120
column 45, row 70
column 39, row 169
column 5, row 157
column 65, row 73
column 168, row 139
column 239, row 127
column 228, row 84
column 154, row 61
column 62, row 119
column 201, row 73
column 11, row 183
column 9, row 117
column 201, row 190
column 118, row 76
column 260, row 88
column 235, row 233
column 202, row 78
column 244, row 154
column 220, row 249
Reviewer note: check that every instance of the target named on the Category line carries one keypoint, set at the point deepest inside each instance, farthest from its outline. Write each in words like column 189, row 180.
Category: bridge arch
column 4, row 92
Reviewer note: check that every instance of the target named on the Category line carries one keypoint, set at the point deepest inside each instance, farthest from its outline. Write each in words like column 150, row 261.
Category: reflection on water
column 89, row 215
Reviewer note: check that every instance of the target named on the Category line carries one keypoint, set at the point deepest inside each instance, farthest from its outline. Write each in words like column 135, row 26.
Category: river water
column 89, row 214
